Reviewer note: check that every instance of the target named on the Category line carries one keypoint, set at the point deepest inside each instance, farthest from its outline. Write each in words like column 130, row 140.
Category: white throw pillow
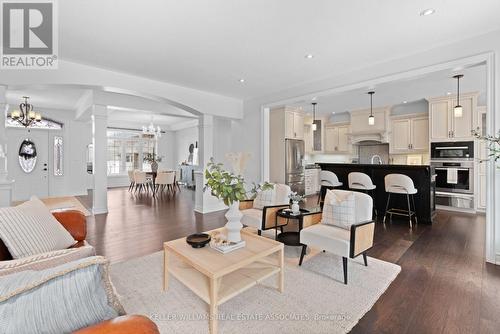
column 264, row 198
column 30, row 229
column 339, row 210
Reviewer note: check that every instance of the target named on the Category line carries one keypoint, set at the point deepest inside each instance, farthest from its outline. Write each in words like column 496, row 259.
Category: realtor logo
column 29, row 35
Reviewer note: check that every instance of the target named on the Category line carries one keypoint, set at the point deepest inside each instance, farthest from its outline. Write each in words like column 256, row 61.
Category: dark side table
column 305, row 217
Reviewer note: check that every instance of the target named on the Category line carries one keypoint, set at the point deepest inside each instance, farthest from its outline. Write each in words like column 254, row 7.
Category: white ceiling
column 396, row 92
column 64, row 98
column 210, row 45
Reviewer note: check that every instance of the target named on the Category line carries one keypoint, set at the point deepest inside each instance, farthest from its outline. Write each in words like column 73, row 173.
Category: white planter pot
column 295, row 207
column 233, row 225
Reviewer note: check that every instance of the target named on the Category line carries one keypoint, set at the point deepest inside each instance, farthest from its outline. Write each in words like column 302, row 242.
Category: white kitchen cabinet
column 409, row 135
column 444, row 126
column 294, row 125
column 336, row 139
column 420, row 134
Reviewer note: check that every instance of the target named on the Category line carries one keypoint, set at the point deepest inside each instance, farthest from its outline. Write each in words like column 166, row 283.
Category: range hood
column 359, row 138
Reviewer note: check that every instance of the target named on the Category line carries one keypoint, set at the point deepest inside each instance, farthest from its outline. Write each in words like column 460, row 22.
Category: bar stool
column 329, row 180
column 362, row 182
column 400, row 184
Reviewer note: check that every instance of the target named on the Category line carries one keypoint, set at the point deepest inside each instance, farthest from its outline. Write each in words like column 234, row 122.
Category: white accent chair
column 400, row 184
column 165, row 180
column 131, row 179
column 328, row 180
column 340, row 241
column 260, row 212
column 362, row 182
column 141, row 181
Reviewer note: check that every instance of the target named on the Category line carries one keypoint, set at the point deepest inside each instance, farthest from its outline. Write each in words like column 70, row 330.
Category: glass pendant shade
column 313, row 126
column 371, row 118
column 458, row 110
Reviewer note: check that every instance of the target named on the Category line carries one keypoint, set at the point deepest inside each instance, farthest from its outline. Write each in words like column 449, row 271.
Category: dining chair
column 131, row 179
column 165, row 180
column 141, row 181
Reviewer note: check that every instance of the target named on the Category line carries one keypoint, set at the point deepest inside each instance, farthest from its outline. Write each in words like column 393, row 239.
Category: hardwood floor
column 444, row 285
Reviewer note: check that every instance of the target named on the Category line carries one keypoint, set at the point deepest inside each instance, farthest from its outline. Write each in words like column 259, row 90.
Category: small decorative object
column 238, row 161
column 221, row 244
column 295, row 198
column 493, row 144
column 230, row 188
column 153, row 160
column 27, row 156
column 198, row 240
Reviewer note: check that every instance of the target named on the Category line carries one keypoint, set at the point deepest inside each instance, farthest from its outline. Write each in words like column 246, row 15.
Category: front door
column 35, row 182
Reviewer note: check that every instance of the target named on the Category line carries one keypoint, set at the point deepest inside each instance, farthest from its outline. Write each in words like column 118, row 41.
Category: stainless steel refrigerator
column 294, row 165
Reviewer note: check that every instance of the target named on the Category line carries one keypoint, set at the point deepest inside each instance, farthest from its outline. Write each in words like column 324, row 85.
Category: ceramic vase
column 295, row 207
column 154, row 166
column 233, row 225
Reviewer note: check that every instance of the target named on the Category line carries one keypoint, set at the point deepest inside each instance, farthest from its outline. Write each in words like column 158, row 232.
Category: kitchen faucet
column 380, row 162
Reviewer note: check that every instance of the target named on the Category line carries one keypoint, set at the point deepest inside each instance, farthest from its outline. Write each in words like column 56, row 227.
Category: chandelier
column 151, row 130
column 25, row 115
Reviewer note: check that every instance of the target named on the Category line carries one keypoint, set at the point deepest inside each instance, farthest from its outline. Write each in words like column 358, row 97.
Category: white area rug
column 315, row 299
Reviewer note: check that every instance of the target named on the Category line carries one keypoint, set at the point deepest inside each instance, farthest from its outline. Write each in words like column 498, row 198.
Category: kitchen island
column 421, row 176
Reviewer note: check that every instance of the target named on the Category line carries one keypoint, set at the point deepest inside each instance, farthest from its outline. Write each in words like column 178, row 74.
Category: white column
column 204, row 201
column 100, row 141
column 5, row 183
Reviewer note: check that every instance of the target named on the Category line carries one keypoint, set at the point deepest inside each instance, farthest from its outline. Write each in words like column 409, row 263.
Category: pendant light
column 458, row 110
column 371, row 118
column 313, row 126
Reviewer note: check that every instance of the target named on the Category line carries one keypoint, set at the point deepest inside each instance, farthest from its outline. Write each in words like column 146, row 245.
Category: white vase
column 295, row 207
column 233, row 225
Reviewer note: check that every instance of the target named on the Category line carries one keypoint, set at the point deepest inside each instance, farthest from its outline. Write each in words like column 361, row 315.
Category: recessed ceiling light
column 241, row 80
column 405, row 102
column 333, row 112
column 309, row 56
column 428, row 11
column 448, row 93
column 315, row 98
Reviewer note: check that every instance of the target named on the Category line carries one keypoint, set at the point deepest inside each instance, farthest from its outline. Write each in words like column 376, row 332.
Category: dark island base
column 421, row 176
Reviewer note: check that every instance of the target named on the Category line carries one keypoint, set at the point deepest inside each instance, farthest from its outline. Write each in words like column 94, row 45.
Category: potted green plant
column 153, row 159
column 230, row 188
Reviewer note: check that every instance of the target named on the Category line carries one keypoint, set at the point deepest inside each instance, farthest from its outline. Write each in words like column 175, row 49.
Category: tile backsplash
column 366, row 152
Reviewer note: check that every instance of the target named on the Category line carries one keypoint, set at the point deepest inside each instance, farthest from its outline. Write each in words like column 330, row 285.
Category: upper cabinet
column 294, row 124
column 336, row 138
column 359, row 121
column 444, row 126
column 409, row 135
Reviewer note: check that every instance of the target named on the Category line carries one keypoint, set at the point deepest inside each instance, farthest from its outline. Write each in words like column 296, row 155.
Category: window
column 126, row 150
column 45, row 123
column 131, row 155
column 114, row 156
column 148, row 147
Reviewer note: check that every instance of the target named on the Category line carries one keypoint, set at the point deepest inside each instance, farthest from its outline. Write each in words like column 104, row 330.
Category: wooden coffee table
column 217, row 277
